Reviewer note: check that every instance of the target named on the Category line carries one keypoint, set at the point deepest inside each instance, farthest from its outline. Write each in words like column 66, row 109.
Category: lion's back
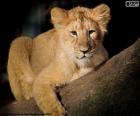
column 43, row 50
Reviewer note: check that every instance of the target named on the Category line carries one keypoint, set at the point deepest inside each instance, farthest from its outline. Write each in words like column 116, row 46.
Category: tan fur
column 37, row 66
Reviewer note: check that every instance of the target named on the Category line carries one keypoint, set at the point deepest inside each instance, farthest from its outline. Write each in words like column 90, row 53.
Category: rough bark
column 112, row 90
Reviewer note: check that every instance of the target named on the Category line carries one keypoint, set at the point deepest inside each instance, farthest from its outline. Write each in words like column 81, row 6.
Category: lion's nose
column 84, row 49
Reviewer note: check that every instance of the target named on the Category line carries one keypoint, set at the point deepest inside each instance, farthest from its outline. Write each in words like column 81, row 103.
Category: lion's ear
column 58, row 16
column 101, row 14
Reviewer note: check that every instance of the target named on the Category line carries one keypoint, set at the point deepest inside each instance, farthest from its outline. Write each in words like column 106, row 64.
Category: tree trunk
column 113, row 90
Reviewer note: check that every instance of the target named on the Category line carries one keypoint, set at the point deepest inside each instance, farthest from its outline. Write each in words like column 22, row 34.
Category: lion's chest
column 80, row 73
column 69, row 70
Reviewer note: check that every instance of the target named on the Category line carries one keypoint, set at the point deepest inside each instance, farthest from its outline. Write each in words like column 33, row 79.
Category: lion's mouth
column 84, row 56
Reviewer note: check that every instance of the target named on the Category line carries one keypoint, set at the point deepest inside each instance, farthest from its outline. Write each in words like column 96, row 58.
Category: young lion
column 67, row 52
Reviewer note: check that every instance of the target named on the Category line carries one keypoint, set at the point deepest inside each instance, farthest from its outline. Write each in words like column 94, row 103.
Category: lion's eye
column 73, row 33
column 91, row 32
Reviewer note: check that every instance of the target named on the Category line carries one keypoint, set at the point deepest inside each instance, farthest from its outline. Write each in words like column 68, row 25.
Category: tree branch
column 111, row 90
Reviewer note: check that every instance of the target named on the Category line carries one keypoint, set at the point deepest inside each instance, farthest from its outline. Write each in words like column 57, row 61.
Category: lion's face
column 83, row 38
column 82, row 32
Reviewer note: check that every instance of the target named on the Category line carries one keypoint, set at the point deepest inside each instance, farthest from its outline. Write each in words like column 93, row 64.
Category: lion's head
column 81, row 31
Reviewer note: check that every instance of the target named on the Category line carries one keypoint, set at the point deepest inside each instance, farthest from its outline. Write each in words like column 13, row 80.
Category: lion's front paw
column 58, row 110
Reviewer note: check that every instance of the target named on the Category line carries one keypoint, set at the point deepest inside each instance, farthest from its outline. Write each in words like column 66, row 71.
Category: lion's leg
column 19, row 69
column 15, row 84
column 46, row 98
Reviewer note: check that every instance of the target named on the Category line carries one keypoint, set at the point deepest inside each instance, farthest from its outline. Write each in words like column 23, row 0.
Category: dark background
column 123, row 28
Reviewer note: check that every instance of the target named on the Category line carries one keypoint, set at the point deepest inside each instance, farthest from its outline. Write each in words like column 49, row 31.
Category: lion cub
column 67, row 52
